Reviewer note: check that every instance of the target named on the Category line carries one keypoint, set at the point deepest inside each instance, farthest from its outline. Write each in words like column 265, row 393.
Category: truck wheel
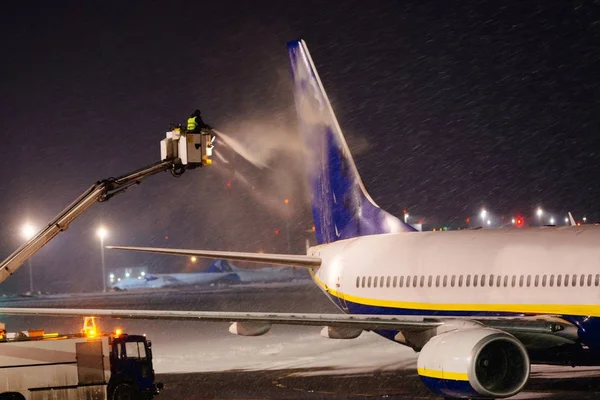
column 124, row 391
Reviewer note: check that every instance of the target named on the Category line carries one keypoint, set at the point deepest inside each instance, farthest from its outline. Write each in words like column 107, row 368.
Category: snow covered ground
column 283, row 348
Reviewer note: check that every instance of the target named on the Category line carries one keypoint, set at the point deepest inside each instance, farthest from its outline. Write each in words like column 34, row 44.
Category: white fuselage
column 523, row 271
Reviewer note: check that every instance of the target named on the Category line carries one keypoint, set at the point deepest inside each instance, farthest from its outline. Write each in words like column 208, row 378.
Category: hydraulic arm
column 177, row 156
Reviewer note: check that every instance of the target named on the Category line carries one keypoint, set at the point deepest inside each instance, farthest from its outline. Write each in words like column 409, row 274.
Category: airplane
column 264, row 275
column 218, row 271
column 479, row 306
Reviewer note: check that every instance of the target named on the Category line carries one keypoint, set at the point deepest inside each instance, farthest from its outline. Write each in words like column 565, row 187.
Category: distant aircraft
column 215, row 273
column 220, row 271
column 480, row 306
column 265, row 275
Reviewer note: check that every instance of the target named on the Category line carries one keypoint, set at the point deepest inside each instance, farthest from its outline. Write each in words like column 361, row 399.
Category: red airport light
column 286, row 201
column 228, row 184
column 277, row 231
column 520, row 222
column 468, row 219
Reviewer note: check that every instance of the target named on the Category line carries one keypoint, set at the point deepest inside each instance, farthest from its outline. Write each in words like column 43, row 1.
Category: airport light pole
column 539, row 212
column 483, row 215
column 102, row 233
column 27, row 232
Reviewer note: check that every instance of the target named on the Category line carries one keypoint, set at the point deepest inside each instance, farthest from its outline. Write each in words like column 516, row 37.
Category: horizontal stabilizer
column 274, row 259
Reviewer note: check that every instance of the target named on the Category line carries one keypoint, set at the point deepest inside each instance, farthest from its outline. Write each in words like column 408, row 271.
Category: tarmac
column 203, row 361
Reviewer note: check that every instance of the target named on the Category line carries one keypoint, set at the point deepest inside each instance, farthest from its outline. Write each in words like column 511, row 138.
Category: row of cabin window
column 478, row 280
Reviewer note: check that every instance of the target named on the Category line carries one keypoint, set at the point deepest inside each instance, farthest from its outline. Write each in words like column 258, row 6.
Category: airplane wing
column 516, row 325
column 275, row 259
column 367, row 322
column 572, row 220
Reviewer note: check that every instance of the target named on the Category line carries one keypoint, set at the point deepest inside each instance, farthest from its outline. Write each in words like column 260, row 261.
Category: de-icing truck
column 90, row 365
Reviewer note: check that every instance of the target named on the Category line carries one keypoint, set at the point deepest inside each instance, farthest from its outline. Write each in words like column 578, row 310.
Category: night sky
column 447, row 107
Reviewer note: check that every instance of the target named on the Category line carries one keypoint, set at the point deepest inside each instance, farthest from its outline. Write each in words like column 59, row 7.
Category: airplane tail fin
column 341, row 206
column 220, row 266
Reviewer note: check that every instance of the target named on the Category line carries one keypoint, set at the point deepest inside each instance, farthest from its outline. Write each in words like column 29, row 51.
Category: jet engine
column 479, row 362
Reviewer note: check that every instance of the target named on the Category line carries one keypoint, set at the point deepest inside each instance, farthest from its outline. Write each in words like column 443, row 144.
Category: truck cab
column 132, row 373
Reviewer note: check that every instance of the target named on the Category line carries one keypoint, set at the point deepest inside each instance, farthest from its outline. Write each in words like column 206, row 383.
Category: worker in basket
column 195, row 124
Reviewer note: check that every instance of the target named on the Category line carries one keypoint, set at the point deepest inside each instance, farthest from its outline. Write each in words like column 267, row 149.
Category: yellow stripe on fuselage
column 432, row 373
column 585, row 310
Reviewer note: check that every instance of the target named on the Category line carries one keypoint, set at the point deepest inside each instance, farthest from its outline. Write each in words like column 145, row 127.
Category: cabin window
column 453, row 280
column 590, row 280
column 544, row 281
column 558, row 280
column 491, row 282
column 482, row 282
column 437, row 281
column 581, row 280
column 408, row 281
column 357, row 281
column 537, row 280
column 429, row 281
column 468, row 283
column 528, row 280
column 415, row 281
column 567, row 280
column 506, row 281
column 389, row 281
column 401, row 281
column 513, row 282
column 446, row 280
column 369, row 282
column 394, row 281
column 422, row 283
column 498, row 280
column 551, row 281
column 363, row 281
column 375, row 281
column 597, row 280
column 460, row 281
column 475, row 280
column 381, row 281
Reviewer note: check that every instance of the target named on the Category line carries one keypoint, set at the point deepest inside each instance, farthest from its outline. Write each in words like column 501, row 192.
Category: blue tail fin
column 342, row 208
column 220, row 266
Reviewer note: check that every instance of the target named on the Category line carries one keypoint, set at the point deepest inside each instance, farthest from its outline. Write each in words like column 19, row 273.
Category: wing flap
column 275, row 259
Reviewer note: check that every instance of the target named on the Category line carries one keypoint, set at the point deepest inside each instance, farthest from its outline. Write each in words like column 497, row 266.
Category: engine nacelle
column 249, row 328
column 479, row 362
column 333, row 332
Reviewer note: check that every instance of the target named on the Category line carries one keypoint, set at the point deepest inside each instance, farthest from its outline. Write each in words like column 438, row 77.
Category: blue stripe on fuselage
column 450, row 388
column 588, row 327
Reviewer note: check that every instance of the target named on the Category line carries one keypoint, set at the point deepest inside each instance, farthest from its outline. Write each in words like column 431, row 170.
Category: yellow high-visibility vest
column 192, row 124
